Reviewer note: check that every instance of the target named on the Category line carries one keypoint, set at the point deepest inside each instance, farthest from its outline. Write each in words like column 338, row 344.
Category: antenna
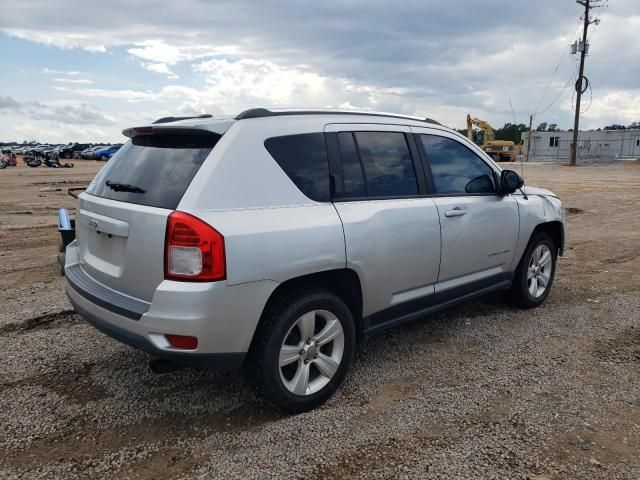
column 515, row 123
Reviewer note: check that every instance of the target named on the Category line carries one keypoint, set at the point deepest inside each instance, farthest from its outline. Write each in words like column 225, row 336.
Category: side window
column 351, row 167
column 388, row 168
column 304, row 159
column 455, row 168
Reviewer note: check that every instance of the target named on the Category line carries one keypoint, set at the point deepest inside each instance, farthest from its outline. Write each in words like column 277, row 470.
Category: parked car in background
column 91, row 152
column 279, row 239
column 83, row 153
column 105, row 154
column 47, row 152
column 69, row 151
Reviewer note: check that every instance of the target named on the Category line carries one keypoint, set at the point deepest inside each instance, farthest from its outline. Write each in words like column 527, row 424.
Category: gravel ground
column 481, row 391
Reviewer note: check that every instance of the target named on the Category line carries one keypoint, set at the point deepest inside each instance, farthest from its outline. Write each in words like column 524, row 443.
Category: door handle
column 456, row 212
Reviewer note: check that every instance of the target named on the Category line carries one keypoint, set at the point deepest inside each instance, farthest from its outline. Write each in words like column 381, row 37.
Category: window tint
column 351, row 167
column 160, row 166
column 304, row 159
column 387, row 164
column 455, row 168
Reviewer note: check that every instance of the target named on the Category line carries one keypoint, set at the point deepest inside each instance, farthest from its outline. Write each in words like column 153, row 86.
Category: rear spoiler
column 217, row 128
column 139, row 131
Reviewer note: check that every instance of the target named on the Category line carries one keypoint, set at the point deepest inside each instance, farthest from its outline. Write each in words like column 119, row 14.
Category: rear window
column 153, row 170
column 304, row 159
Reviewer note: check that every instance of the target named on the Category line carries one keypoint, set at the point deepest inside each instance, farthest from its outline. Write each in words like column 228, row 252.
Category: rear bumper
column 223, row 318
column 218, row 360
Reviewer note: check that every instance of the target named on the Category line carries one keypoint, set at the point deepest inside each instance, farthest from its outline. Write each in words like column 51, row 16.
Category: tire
column 529, row 292
column 279, row 337
column 3, row 164
column 104, row 158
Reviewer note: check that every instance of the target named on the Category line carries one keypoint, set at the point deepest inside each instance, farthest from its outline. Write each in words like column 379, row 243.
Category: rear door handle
column 456, row 212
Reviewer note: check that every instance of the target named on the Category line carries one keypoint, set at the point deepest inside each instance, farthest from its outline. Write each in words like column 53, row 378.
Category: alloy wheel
column 539, row 270
column 311, row 352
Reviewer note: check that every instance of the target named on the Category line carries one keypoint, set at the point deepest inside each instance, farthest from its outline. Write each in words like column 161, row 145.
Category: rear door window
column 154, row 170
column 387, row 163
column 352, row 173
column 303, row 158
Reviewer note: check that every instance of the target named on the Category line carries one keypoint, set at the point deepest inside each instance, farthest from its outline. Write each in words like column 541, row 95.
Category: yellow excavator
column 499, row 150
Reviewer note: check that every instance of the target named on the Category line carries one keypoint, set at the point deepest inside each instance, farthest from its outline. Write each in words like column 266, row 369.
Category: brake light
column 193, row 250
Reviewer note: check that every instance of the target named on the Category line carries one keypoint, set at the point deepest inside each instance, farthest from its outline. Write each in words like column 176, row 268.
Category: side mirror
column 510, row 181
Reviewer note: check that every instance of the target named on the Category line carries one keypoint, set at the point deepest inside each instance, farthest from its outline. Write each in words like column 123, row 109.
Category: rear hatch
column 121, row 223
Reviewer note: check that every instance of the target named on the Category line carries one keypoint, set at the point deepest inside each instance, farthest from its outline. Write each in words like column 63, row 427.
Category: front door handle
column 456, row 212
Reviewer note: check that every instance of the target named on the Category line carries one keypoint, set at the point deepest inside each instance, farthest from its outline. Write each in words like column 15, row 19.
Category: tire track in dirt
column 49, row 320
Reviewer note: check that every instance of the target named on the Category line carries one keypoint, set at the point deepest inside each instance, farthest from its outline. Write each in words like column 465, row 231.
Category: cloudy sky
column 84, row 70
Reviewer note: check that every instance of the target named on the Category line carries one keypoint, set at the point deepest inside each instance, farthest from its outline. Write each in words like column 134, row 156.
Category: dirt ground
column 481, row 391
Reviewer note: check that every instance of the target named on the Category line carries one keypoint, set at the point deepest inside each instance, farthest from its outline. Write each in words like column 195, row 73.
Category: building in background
column 591, row 144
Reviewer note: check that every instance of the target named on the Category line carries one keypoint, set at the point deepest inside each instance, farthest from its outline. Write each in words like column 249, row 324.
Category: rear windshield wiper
column 124, row 187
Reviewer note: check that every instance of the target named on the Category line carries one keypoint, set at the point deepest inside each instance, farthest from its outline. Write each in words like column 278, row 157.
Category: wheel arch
column 343, row 282
column 555, row 229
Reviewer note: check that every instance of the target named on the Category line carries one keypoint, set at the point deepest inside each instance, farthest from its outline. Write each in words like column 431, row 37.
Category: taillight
column 193, row 250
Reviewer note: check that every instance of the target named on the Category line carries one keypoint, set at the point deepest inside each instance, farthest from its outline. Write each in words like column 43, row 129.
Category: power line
column 559, row 94
column 555, row 70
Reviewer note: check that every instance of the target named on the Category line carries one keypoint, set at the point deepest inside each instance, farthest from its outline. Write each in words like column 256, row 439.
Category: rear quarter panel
column 279, row 243
column 272, row 230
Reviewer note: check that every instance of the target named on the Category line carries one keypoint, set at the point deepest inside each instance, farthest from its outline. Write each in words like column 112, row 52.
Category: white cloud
column 61, row 112
column 411, row 59
column 162, row 52
column 623, row 105
column 157, row 56
column 61, row 72
column 127, row 95
column 59, row 39
column 160, row 68
column 80, row 81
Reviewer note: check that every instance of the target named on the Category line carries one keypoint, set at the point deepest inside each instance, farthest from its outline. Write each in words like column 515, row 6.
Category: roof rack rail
column 175, row 119
column 263, row 112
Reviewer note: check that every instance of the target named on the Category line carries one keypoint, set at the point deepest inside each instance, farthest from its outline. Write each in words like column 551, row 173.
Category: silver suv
column 278, row 240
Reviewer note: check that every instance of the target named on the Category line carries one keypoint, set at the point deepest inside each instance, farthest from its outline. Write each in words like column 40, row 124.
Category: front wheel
column 535, row 273
column 303, row 350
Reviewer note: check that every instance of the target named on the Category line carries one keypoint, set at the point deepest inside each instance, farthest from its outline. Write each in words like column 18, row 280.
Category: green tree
column 615, row 126
column 511, row 131
column 634, row 125
column 553, row 128
column 542, row 127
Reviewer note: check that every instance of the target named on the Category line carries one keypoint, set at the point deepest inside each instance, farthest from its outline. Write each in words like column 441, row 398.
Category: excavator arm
column 498, row 149
column 489, row 135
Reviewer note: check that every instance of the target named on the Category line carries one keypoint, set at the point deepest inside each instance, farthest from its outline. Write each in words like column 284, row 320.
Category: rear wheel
column 535, row 273
column 303, row 350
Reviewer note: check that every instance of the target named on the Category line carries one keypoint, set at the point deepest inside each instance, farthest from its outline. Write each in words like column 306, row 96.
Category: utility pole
column 588, row 5
column 529, row 140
